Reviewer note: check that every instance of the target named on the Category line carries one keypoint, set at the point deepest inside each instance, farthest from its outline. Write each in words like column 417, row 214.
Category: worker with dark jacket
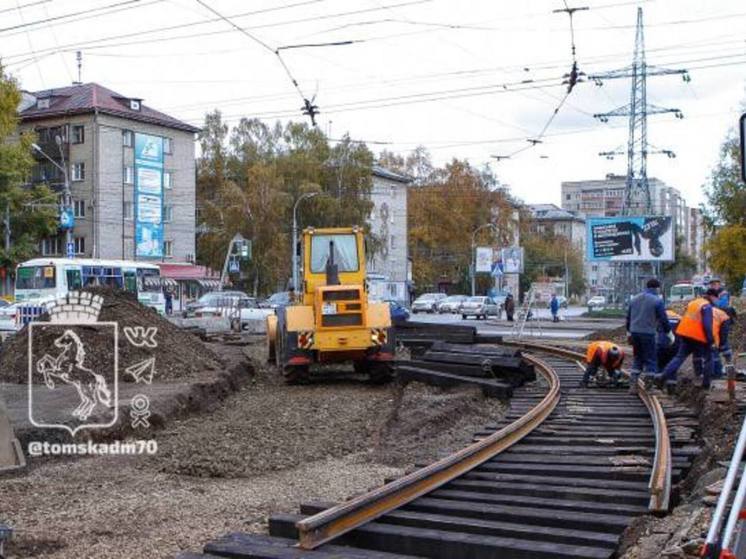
column 645, row 316
column 666, row 349
column 699, row 331
column 724, row 350
column 603, row 354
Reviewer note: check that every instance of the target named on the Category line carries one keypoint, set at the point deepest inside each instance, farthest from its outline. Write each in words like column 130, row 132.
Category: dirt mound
column 178, row 354
column 617, row 335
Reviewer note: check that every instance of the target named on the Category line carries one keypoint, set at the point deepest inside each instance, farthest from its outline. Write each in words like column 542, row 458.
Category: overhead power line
column 65, row 16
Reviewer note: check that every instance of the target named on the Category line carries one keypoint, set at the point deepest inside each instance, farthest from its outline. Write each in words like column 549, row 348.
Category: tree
column 682, row 268
column 444, row 212
column 545, row 255
column 30, row 209
column 726, row 214
column 249, row 178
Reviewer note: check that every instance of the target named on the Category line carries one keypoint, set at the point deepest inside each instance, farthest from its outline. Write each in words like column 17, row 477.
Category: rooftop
column 552, row 212
column 91, row 97
column 385, row 173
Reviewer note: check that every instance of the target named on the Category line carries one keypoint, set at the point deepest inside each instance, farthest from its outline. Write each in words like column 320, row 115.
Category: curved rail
column 660, row 477
column 336, row 521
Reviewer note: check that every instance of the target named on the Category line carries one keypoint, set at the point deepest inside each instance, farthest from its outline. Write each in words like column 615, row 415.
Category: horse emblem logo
column 73, row 361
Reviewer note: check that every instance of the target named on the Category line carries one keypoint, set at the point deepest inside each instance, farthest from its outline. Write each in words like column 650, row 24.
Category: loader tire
column 296, row 374
column 380, row 372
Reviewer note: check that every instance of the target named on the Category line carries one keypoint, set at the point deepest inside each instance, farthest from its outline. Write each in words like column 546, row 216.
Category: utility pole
column 65, row 206
column 6, row 222
column 637, row 199
column 295, row 236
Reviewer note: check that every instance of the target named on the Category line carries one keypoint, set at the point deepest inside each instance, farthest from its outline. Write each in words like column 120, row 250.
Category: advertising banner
column 630, row 239
column 484, row 259
column 512, row 259
column 148, row 196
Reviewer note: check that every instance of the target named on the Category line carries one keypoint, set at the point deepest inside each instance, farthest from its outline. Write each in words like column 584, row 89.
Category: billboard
column 148, row 196
column 512, row 259
column 483, row 259
column 630, row 239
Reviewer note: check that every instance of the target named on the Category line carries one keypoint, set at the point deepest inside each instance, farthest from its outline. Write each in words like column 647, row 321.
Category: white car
column 7, row 317
column 252, row 316
column 596, row 302
column 479, row 307
column 427, row 303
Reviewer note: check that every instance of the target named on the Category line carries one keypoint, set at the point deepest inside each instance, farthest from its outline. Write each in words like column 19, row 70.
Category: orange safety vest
column 593, row 347
column 691, row 323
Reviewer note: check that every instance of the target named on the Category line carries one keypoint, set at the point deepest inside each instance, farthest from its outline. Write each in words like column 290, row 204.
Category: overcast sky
column 449, row 75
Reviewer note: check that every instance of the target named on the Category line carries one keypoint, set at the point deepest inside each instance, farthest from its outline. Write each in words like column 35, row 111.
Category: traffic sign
column 233, row 267
column 70, row 250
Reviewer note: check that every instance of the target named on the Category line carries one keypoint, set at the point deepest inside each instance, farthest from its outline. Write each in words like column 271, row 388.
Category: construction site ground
column 263, row 449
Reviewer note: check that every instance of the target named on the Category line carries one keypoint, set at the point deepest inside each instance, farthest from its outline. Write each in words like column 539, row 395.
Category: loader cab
column 342, row 246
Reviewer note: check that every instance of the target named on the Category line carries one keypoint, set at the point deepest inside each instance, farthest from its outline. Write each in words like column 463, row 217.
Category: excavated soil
column 264, row 450
column 179, row 354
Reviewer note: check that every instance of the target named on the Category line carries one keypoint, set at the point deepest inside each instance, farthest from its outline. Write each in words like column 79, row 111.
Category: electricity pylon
column 637, row 198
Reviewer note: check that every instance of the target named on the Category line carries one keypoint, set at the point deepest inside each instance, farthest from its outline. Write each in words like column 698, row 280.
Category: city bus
column 44, row 279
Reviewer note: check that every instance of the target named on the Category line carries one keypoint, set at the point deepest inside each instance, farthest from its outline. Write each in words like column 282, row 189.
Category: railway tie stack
column 561, row 476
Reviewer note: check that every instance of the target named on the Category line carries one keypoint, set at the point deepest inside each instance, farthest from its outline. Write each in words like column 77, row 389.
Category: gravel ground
column 265, row 450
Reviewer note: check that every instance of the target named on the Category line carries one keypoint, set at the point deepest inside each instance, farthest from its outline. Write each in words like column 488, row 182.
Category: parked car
column 597, row 301
column 214, row 303
column 279, row 299
column 427, row 302
column 479, row 307
column 250, row 313
column 399, row 312
column 452, row 304
column 7, row 316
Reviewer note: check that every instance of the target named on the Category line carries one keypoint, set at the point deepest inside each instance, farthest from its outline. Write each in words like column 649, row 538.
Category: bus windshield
column 345, row 253
column 36, row 277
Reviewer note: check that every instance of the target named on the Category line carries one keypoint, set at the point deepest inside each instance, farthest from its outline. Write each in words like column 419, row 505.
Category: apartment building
column 99, row 131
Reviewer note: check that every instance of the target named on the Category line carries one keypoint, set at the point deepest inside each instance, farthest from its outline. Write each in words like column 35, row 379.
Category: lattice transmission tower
column 637, row 197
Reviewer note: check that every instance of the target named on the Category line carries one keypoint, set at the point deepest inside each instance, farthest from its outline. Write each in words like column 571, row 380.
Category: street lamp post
column 473, row 253
column 295, row 236
column 67, row 195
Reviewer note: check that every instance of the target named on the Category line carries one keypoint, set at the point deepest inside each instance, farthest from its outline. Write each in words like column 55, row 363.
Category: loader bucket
column 11, row 455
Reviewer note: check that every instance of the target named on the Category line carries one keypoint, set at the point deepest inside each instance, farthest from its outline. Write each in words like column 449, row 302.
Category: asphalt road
column 502, row 327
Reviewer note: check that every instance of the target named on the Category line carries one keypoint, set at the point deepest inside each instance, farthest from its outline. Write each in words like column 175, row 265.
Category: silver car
column 479, row 307
column 427, row 303
column 452, row 304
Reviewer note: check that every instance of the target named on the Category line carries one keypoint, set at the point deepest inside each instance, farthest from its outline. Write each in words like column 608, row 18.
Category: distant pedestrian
column 554, row 307
column 509, row 307
column 169, row 296
column 645, row 316
column 699, row 331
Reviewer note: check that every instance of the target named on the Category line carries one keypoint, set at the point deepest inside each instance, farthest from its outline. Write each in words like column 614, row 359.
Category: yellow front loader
column 332, row 320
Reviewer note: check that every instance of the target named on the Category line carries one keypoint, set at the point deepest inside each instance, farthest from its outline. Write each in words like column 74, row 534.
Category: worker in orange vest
column 699, row 332
column 603, row 354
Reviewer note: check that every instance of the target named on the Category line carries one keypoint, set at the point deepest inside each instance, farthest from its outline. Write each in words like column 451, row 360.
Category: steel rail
column 336, row 521
column 660, row 476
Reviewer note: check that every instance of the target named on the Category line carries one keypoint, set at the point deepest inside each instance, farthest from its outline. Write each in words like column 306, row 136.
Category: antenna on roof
column 79, row 58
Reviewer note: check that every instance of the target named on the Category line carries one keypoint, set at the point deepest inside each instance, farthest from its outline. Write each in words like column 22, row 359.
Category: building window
column 79, row 243
column 79, row 208
column 78, row 134
column 51, row 245
column 78, row 171
column 129, row 175
column 168, row 214
column 167, row 145
column 168, row 179
column 128, row 138
column 168, row 248
column 128, row 210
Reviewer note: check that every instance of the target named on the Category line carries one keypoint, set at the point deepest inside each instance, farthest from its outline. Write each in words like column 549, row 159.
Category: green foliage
column 249, row 178
column 682, row 268
column 544, row 257
column 727, row 250
column 29, row 221
column 726, row 212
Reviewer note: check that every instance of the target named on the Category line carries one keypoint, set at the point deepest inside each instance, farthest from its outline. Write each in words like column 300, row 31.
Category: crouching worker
column 668, row 343
column 603, row 354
